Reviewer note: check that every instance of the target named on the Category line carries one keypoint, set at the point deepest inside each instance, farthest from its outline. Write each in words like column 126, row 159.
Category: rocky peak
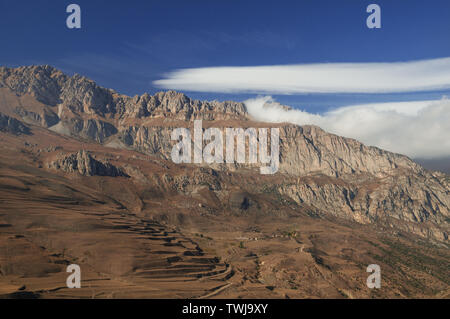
column 43, row 82
column 82, row 95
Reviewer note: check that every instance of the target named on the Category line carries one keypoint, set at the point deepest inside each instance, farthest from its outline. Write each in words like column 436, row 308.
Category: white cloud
column 411, row 76
column 417, row 129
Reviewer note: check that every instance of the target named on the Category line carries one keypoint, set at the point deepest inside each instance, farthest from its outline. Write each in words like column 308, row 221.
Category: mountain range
column 86, row 177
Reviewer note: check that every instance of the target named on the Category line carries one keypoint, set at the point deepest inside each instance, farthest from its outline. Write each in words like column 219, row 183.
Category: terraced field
column 144, row 258
column 120, row 253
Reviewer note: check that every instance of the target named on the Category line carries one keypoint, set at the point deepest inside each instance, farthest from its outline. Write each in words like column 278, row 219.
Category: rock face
column 45, row 118
column 91, row 129
column 11, row 125
column 332, row 174
column 310, row 149
column 83, row 163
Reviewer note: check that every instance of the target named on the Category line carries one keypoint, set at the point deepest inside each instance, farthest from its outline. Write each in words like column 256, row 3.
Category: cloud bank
column 414, row 76
column 417, row 129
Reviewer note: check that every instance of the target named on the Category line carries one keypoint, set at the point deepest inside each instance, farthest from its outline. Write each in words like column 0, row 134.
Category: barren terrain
column 85, row 178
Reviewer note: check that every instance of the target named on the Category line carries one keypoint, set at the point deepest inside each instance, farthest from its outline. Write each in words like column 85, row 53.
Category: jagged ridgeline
column 332, row 174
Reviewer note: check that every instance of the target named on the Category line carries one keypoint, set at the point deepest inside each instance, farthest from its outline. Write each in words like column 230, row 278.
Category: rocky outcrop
column 45, row 118
column 92, row 129
column 83, row 163
column 406, row 198
column 42, row 82
column 309, row 149
column 177, row 106
column 11, row 125
column 152, row 140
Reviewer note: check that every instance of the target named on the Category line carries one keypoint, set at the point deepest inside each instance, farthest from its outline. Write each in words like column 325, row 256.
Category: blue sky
column 126, row 45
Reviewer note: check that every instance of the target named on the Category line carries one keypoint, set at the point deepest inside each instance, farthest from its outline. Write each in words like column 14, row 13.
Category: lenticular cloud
column 417, row 129
column 414, row 76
